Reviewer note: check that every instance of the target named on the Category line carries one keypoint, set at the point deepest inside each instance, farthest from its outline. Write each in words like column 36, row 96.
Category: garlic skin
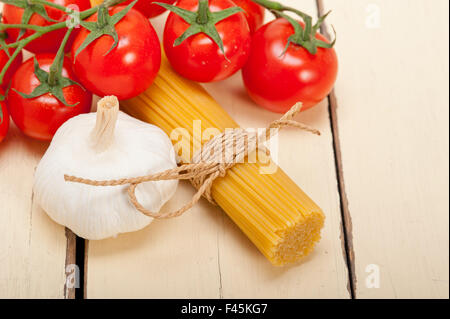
column 104, row 146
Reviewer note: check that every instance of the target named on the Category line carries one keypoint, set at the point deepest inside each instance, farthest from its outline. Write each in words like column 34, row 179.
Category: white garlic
column 109, row 145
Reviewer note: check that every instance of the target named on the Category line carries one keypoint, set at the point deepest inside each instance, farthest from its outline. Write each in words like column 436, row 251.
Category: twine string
column 207, row 165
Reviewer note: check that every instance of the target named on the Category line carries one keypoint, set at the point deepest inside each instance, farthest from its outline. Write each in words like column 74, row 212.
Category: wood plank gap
column 80, row 261
column 221, row 228
column 69, row 293
column 85, row 267
column 347, row 228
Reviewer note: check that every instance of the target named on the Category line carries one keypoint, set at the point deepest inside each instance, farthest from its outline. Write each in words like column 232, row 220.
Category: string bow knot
column 207, row 165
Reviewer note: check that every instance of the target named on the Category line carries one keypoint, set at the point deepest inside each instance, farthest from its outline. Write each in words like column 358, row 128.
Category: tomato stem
column 21, row 26
column 202, row 17
column 56, row 67
column 102, row 17
column 303, row 36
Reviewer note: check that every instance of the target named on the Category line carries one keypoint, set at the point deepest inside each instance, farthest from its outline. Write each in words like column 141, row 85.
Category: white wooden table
column 379, row 171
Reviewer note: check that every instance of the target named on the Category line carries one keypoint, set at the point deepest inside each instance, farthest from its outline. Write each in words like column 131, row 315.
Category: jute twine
column 206, row 165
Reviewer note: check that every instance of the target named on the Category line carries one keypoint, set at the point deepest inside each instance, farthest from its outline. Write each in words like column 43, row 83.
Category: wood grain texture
column 203, row 254
column 32, row 247
column 391, row 116
column 392, row 113
column 34, row 251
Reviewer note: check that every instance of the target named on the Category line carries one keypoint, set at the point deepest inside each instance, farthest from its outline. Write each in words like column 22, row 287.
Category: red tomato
column 12, row 68
column 276, row 81
column 253, row 12
column 198, row 57
column 128, row 69
column 41, row 116
column 4, row 118
column 49, row 42
column 147, row 8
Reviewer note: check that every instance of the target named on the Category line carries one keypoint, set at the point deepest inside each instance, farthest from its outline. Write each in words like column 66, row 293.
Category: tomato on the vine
column 253, row 12
column 4, row 116
column 125, row 70
column 41, row 116
column 276, row 80
column 147, row 8
column 49, row 42
column 199, row 57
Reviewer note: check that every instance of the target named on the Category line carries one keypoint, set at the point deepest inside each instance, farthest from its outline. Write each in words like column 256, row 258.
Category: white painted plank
column 202, row 254
column 174, row 258
column 309, row 161
column 32, row 247
column 147, row 263
column 392, row 96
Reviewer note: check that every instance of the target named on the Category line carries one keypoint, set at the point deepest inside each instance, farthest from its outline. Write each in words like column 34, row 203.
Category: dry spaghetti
column 281, row 220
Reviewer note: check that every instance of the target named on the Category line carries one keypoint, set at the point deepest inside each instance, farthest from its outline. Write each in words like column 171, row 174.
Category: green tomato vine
column 51, row 82
column 202, row 21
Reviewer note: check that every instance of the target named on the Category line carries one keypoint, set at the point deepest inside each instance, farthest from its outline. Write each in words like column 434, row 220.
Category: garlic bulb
column 103, row 146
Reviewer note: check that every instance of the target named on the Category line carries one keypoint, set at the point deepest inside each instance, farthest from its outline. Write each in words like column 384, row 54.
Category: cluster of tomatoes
column 275, row 75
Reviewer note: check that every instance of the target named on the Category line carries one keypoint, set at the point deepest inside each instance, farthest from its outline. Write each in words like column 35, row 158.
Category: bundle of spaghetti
column 272, row 211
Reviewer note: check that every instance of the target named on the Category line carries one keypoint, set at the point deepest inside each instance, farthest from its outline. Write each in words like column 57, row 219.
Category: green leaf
column 26, row 15
column 298, row 35
column 29, row 10
column 58, row 93
column 68, row 82
column 206, row 25
column 221, row 15
column 306, row 37
column 288, row 43
column 192, row 30
column 41, row 89
column 40, row 74
column 119, row 15
column 319, row 22
column 104, row 26
column 310, row 46
column 40, row 10
column 94, row 35
column 36, row 8
column 113, row 33
column 308, row 28
column 211, row 31
column 1, row 111
column 44, row 87
column 3, row 43
column 335, row 37
column 325, row 45
column 186, row 15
